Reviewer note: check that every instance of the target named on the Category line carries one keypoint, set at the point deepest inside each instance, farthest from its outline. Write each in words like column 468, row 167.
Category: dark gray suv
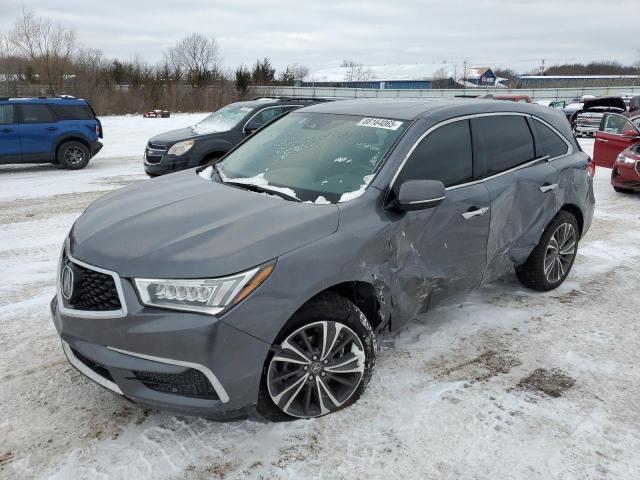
column 260, row 283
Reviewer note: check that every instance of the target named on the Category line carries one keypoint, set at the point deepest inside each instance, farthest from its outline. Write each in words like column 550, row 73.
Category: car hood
column 187, row 133
column 185, row 226
column 610, row 102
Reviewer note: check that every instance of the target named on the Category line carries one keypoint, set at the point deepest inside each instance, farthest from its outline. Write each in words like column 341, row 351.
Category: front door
column 10, row 150
column 616, row 134
column 441, row 251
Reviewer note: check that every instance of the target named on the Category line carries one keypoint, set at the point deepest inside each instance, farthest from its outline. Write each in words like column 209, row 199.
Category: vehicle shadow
column 27, row 168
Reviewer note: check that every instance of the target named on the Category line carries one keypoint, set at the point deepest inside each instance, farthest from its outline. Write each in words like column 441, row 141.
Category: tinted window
column 503, row 141
column 445, row 154
column 264, row 116
column 73, row 112
column 551, row 143
column 6, row 114
column 37, row 114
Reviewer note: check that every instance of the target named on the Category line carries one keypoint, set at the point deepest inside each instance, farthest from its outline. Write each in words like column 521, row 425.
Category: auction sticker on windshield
column 380, row 123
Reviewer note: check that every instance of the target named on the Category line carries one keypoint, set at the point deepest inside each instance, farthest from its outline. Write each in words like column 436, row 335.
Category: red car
column 617, row 146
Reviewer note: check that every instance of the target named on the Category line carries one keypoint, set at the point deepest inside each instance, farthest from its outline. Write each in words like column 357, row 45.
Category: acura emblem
column 67, row 282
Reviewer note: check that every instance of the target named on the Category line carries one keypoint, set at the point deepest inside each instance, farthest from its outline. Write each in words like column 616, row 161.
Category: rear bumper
column 95, row 148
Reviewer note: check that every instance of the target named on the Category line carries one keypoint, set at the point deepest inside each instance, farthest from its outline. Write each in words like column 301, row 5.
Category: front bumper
column 160, row 163
column 190, row 363
column 626, row 176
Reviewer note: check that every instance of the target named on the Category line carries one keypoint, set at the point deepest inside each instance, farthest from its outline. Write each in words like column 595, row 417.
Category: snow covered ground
column 458, row 395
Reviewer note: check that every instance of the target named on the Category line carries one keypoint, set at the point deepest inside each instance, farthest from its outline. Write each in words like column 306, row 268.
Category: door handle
column 474, row 212
column 52, row 128
column 548, row 187
column 603, row 140
column 6, row 130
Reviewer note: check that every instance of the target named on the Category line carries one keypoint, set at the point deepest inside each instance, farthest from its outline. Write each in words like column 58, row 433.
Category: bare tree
column 49, row 47
column 197, row 57
column 356, row 72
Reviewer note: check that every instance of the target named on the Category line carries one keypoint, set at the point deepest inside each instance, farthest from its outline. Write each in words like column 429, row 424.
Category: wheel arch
column 72, row 138
column 210, row 155
column 576, row 212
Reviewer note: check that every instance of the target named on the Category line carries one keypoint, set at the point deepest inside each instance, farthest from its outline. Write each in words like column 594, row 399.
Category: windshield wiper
column 253, row 187
column 257, row 188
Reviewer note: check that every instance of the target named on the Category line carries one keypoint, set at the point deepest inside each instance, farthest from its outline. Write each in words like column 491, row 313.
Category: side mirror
column 249, row 129
column 630, row 133
column 420, row 194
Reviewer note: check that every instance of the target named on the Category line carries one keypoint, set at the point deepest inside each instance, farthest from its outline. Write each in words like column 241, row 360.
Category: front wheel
column 552, row 259
column 321, row 364
column 73, row 155
column 622, row 190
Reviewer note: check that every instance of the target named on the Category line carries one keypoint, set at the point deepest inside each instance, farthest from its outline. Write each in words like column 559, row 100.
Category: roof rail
column 293, row 99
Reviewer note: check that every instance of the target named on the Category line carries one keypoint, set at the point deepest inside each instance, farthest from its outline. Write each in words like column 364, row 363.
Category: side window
column 264, row 116
column 615, row 124
column 445, row 154
column 7, row 115
column 551, row 143
column 503, row 142
column 37, row 114
column 73, row 112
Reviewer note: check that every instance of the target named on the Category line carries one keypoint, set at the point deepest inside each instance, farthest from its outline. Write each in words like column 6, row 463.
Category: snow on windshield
column 222, row 120
column 314, row 157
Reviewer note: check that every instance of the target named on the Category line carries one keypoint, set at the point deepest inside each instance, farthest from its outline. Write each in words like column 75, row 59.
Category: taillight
column 591, row 168
column 97, row 130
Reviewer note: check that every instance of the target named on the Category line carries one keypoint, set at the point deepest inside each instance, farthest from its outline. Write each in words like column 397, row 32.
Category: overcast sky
column 319, row 34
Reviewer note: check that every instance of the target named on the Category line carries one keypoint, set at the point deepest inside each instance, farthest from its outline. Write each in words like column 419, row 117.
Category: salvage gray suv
column 259, row 284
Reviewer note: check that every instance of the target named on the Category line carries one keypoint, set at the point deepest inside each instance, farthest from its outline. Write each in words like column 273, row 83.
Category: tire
column 73, row 155
column 622, row 190
column 561, row 235
column 310, row 388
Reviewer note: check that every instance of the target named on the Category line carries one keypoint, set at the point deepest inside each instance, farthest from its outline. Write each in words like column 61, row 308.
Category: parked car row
column 586, row 121
column 259, row 282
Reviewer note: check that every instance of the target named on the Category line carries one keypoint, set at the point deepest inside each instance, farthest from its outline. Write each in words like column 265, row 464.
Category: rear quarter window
column 550, row 141
column 73, row 112
column 36, row 113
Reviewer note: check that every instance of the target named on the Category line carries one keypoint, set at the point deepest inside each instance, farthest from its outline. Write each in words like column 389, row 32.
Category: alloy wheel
column 74, row 155
column 560, row 252
column 316, row 370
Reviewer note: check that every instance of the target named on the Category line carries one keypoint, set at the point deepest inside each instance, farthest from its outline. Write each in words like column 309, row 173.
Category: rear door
column 38, row 132
column 10, row 149
column 442, row 250
column 522, row 186
column 616, row 134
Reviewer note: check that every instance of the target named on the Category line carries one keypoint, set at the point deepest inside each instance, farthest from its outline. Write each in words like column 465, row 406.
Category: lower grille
column 154, row 158
column 96, row 367
column 192, row 383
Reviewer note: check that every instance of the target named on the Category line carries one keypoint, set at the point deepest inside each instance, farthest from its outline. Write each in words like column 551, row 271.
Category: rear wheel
column 552, row 259
column 322, row 363
column 73, row 155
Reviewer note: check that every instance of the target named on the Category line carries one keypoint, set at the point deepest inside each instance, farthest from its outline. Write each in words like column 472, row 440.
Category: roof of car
column 414, row 108
column 65, row 100
column 268, row 101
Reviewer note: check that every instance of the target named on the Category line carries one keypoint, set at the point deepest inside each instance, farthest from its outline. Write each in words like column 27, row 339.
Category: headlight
column 181, row 147
column 622, row 159
column 210, row 295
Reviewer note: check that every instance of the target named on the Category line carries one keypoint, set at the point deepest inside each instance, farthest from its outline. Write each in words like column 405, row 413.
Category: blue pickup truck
column 59, row 130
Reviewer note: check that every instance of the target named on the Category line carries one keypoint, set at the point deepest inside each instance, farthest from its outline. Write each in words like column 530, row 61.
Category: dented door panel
column 523, row 203
column 438, row 252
